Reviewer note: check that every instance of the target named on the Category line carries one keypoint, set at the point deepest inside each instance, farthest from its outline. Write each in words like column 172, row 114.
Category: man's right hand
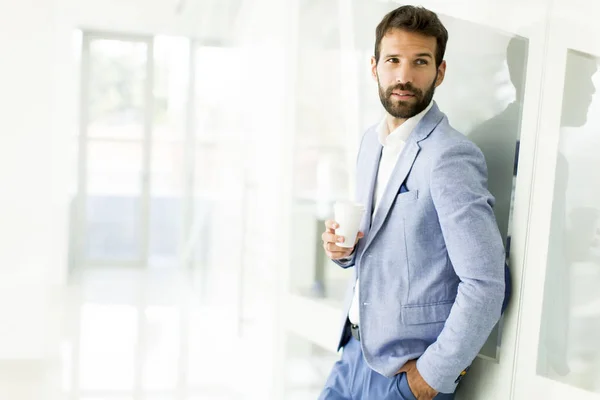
column 330, row 240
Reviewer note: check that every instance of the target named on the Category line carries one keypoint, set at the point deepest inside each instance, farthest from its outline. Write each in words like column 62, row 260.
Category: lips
column 403, row 94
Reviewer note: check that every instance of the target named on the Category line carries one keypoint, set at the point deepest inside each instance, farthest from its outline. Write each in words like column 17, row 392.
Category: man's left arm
column 464, row 207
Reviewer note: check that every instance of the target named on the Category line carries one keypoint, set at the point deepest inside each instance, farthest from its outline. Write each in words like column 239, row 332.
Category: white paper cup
column 348, row 216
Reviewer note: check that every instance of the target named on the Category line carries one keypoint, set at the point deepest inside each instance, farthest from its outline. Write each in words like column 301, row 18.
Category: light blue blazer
column 431, row 265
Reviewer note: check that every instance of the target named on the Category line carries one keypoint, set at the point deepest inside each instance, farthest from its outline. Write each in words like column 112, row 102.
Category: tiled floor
column 151, row 335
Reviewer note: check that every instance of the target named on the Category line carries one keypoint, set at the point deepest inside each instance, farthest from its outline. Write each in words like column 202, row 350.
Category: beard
column 406, row 109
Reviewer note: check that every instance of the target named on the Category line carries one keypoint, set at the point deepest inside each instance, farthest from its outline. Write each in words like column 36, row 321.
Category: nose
column 404, row 73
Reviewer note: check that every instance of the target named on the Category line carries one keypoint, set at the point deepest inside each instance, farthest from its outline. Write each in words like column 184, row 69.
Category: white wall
column 32, row 213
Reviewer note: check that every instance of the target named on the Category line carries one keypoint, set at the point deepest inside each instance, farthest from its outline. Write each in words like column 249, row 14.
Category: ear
column 441, row 74
column 374, row 68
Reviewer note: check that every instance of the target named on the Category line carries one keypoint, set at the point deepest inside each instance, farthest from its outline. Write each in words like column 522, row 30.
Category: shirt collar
column 401, row 133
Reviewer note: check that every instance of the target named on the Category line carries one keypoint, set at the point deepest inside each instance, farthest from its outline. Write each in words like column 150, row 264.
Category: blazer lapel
column 402, row 168
column 399, row 174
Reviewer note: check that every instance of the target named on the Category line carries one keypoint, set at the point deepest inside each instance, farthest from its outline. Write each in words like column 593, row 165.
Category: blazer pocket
column 426, row 314
column 405, row 197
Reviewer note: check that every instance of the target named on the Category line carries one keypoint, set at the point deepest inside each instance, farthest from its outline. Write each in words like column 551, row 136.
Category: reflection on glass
column 498, row 138
column 568, row 350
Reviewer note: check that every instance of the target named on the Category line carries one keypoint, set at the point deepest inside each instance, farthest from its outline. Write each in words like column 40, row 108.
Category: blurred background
column 167, row 167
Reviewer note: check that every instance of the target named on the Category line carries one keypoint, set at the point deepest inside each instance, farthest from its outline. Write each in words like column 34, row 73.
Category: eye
column 421, row 61
column 393, row 60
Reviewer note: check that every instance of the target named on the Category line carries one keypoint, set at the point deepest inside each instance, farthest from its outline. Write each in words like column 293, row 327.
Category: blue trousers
column 352, row 379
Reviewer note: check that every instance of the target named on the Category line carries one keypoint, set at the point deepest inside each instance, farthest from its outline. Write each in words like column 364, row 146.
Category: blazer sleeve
column 474, row 245
column 346, row 262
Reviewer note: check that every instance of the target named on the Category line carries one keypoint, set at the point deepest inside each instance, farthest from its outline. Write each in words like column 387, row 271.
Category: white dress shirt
column 393, row 144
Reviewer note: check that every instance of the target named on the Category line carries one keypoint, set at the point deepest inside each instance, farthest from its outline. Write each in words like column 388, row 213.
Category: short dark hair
column 413, row 19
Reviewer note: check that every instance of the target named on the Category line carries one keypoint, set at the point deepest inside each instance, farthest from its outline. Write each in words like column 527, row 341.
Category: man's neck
column 393, row 123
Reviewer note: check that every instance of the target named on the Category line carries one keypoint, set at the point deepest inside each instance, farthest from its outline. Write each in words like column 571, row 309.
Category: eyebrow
column 417, row 55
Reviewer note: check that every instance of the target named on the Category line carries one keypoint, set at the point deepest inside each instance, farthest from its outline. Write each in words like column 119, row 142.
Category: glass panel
column 223, row 115
column 219, row 169
column 117, row 88
column 217, row 248
column 108, row 343
column 218, row 226
column 320, row 175
column 222, row 94
column 201, row 236
column 568, row 350
column 496, row 129
column 167, row 175
column 113, row 202
column 171, row 86
column 166, row 201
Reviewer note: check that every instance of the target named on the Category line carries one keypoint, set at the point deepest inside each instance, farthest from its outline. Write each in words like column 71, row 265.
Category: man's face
column 406, row 72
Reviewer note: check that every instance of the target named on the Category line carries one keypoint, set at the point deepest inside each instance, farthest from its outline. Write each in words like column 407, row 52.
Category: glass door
column 558, row 351
column 136, row 165
column 114, row 148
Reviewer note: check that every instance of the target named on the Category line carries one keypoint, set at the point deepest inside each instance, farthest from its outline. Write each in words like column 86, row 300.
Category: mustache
column 405, row 87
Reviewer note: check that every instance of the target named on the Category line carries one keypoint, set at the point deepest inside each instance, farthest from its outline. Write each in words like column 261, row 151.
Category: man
column 429, row 262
